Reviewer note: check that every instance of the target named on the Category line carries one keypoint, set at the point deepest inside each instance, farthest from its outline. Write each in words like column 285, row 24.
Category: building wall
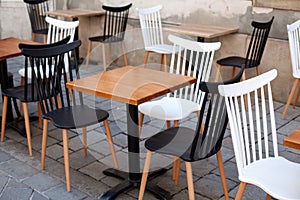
column 235, row 13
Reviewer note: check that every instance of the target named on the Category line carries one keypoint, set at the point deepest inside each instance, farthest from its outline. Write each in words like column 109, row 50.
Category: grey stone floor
column 21, row 177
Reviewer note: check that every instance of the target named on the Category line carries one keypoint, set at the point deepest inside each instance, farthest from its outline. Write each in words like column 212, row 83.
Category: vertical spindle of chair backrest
column 294, row 43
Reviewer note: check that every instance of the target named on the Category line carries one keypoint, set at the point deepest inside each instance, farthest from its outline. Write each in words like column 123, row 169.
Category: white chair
column 193, row 59
column 152, row 33
column 254, row 139
column 57, row 30
column 294, row 43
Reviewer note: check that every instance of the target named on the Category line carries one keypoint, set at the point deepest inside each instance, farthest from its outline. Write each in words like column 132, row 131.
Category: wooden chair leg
column 84, row 141
column 40, row 116
column 165, row 63
column 111, row 144
column 146, row 58
column 109, row 54
column 66, row 158
column 218, row 72
column 27, row 127
column 168, row 124
column 145, row 175
column 297, row 98
column 233, row 72
column 45, row 38
column 44, row 143
column 268, row 197
column 141, row 123
column 103, row 56
column 290, row 98
column 222, row 173
column 4, row 111
column 176, row 169
column 161, row 61
column 189, row 176
column 88, row 55
column 32, row 36
column 124, row 54
column 239, row 194
column 258, row 70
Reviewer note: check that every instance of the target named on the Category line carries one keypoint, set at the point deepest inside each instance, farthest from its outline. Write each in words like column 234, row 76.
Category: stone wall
column 235, row 13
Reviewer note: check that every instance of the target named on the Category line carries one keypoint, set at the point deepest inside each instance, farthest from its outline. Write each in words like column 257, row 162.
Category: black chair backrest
column 51, row 75
column 258, row 42
column 40, row 46
column 215, row 121
column 115, row 22
column 37, row 13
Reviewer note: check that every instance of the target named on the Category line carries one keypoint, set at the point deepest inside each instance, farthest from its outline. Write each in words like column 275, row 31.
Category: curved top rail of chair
column 247, row 85
column 65, row 24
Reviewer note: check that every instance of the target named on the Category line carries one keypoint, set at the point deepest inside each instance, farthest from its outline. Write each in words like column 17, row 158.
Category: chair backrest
column 194, row 59
column 294, row 43
column 213, row 117
column 150, row 21
column 253, row 132
column 37, row 13
column 115, row 22
column 52, row 91
column 257, row 42
column 59, row 29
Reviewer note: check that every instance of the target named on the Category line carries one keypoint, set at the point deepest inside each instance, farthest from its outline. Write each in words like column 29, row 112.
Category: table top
column 132, row 85
column 293, row 140
column 204, row 31
column 76, row 12
column 9, row 47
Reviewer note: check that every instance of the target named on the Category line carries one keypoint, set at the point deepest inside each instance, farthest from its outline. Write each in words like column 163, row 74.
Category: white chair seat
column 276, row 176
column 161, row 49
column 296, row 74
column 22, row 72
column 169, row 108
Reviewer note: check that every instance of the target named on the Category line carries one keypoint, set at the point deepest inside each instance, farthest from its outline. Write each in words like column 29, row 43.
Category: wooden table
column 293, row 140
column 133, row 86
column 202, row 31
column 74, row 14
column 9, row 48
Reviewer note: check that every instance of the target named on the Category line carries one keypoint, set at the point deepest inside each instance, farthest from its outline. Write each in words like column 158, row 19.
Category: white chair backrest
column 151, row 26
column 294, row 42
column 194, row 59
column 59, row 29
column 253, row 131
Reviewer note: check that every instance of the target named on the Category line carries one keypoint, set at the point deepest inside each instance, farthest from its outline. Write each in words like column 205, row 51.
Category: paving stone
column 41, row 182
column 59, row 192
column 94, row 170
column 15, row 191
column 4, row 157
column 17, row 169
column 55, row 151
column 38, row 196
column 289, row 128
column 57, row 134
column 103, row 147
column 37, row 142
column 78, row 160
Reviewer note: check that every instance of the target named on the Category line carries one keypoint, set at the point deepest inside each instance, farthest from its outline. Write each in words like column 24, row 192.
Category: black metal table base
column 128, row 184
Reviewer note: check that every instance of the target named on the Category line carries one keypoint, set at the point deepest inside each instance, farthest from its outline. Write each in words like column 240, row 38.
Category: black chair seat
column 176, row 141
column 106, row 39
column 18, row 93
column 235, row 61
column 76, row 116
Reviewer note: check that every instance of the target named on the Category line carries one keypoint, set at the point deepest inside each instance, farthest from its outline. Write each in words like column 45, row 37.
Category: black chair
column 37, row 13
column 115, row 21
column 64, row 108
column 188, row 144
column 255, row 50
column 25, row 94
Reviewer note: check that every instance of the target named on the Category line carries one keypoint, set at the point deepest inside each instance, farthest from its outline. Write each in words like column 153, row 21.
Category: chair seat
column 18, row 93
column 296, row 74
column 175, row 141
column 76, row 116
column 107, row 39
column 234, row 61
column 161, row 49
column 169, row 108
column 274, row 175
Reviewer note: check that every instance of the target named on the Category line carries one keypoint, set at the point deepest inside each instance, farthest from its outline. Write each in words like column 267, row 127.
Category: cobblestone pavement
column 21, row 177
